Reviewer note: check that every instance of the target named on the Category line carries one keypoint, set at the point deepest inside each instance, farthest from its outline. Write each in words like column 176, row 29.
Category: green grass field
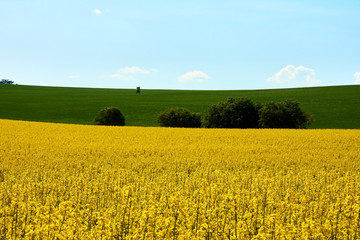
column 332, row 107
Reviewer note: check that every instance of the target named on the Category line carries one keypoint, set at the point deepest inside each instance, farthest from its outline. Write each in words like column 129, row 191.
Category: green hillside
column 332, row 107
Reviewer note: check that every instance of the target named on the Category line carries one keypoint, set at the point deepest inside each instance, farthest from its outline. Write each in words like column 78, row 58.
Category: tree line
column 233, row 113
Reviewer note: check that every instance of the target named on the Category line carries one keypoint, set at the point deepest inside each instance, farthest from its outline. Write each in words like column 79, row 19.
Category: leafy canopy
column 110, row 116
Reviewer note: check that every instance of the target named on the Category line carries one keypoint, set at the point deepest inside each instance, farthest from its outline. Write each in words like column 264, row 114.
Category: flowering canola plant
column 60, row 181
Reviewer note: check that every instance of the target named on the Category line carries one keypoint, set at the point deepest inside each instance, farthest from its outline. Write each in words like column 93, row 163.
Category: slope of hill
column 332, row 107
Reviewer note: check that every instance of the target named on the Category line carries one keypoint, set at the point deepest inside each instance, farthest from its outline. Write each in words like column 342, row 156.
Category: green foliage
column 286, row 114
column 6, row 81
column 234, row 113
column 179, row 117
column 335, row 107
column 110, row 116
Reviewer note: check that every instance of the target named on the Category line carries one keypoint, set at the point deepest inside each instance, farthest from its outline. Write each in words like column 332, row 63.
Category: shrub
column 286, row 114
column 6, row 81
column 234, row 113
column 179, row 117
column 110, row 116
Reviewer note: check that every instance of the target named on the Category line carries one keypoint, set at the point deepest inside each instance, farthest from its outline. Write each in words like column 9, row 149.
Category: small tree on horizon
column 6, row 81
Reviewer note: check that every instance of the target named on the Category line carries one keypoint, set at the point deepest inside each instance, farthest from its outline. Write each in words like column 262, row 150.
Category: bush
column 6, row 81
column 287, row 114
column 179, row 117
column 234, row 113
column 110, row 116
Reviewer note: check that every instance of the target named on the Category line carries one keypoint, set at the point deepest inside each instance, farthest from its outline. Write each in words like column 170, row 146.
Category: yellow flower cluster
column 61, row 181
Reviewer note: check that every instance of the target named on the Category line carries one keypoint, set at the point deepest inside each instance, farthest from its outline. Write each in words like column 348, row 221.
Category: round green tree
column 179, row 117
column 286, row 114
column 234, row 113
column 110, row 116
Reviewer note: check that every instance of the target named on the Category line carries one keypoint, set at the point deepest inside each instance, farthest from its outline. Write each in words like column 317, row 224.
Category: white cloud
column 357, row 78
column 195, row 76
column 135, row 70
column 119, row 76
column 294, row 76
column 122, row 77
column 97, row 12
column 74, row 77
column 127, row 73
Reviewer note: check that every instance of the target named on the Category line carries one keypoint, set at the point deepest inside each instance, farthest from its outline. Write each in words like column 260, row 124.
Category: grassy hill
column 332, row 107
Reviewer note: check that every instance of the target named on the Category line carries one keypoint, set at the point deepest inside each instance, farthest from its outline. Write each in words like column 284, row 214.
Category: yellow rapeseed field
column 61, row 181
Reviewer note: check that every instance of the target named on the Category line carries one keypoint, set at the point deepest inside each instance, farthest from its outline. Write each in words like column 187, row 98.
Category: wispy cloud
column 195, row 76
column 135, row 70
column 120, row 77
column 292, row 75
column 74, row 77
column 128, row 73
column 357, row 78
column 97, row 12
column 123, row 77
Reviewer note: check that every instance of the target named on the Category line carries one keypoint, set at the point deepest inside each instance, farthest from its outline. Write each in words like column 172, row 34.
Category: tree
column 110, row 116
column 234, row 113
column 286, row 114
column 6, row 81
column 179, row 117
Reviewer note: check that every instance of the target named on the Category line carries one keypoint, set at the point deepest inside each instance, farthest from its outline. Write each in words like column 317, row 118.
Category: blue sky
column 187, row 44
